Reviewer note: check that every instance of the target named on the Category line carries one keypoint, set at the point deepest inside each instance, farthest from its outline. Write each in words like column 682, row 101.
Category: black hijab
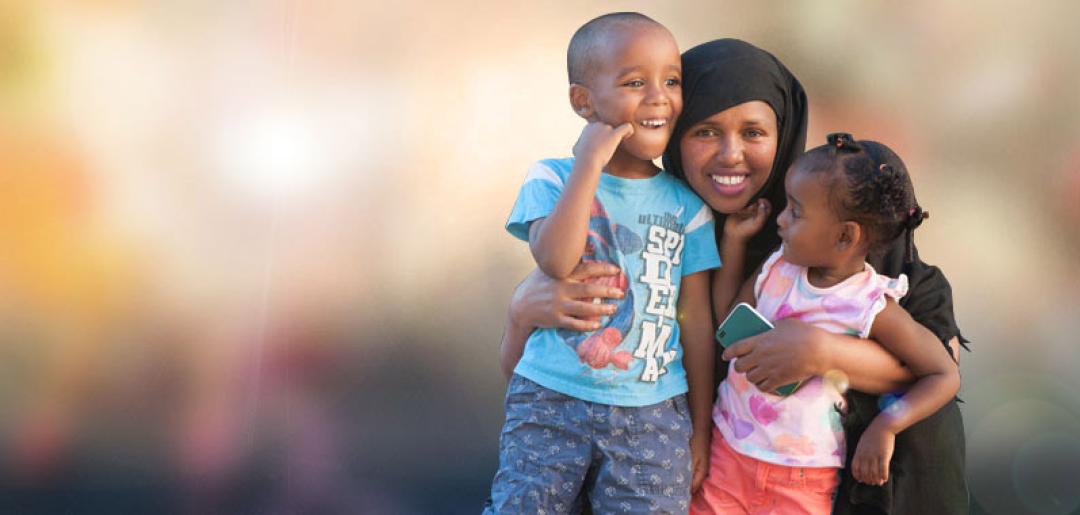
column 722, row 74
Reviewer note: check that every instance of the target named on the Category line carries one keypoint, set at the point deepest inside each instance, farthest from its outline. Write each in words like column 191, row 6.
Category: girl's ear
column 851, row 235
column 580, row 101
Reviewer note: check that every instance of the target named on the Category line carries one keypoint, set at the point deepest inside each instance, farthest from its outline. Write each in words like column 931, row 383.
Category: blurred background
column 252, row 256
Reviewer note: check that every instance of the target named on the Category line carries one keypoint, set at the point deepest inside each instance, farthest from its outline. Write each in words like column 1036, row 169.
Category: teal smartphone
column 743, row 322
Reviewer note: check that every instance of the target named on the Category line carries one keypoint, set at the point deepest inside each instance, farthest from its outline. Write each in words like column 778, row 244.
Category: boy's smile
column 638, row 80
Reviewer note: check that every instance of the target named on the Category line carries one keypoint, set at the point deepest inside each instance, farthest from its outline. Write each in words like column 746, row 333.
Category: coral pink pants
column 741, row 484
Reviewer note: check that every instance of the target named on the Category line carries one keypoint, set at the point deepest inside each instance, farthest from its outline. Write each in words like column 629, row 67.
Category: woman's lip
column 729, row 189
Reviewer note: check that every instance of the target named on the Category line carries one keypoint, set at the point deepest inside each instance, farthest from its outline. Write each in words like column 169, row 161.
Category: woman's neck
column 624, row 165
column 826, row 276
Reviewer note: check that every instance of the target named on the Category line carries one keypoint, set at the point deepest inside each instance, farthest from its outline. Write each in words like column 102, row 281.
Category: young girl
column 845, row 200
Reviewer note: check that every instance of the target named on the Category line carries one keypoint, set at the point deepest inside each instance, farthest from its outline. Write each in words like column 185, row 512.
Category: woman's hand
column 786, row 354
column 748, row 221
column 571, row 303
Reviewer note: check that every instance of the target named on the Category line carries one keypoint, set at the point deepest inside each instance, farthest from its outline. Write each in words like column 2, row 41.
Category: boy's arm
column 695, row 329
column 558, row 240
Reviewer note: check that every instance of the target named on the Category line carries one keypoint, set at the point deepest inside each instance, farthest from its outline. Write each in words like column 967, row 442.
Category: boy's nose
column 657, row 95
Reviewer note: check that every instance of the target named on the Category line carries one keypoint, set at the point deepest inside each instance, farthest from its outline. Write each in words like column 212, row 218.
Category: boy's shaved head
column 580, row 56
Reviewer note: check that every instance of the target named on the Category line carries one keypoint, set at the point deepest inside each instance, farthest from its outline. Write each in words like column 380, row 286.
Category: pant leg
column 544, row 451
column 642, row 458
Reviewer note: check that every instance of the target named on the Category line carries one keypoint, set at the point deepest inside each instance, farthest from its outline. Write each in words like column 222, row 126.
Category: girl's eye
column 706, row 133
column 673, row 82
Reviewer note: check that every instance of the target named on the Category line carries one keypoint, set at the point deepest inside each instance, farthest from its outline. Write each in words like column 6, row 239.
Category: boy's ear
column 580, row 101
column 851, row 235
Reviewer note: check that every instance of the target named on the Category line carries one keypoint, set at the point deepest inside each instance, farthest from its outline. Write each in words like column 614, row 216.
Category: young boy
column 604, row 414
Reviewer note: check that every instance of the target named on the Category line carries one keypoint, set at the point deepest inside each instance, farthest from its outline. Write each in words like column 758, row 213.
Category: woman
column 743, row 123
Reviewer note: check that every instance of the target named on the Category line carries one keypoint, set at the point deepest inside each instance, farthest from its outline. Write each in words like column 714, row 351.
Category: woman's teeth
column 654, row 123
column 729, row 180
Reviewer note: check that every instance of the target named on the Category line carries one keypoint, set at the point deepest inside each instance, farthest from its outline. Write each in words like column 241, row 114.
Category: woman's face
column 728, row 156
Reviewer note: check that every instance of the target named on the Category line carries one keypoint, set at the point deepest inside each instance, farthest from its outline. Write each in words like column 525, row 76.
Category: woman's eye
column 706, row 133
column 754, row 133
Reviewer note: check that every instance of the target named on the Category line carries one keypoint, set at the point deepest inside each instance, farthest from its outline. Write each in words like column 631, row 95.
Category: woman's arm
column 540, row 301
column 795, row 350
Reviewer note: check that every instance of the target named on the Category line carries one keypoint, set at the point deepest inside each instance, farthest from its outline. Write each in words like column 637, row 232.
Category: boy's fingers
column 624, row 131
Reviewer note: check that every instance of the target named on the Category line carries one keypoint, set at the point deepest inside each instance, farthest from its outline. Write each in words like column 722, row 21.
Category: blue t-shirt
column 655, row 230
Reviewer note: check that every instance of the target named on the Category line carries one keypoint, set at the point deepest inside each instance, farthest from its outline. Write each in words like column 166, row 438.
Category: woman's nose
column 730, row 153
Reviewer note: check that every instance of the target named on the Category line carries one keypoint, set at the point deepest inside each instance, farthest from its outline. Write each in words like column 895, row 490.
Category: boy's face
column 638, row 80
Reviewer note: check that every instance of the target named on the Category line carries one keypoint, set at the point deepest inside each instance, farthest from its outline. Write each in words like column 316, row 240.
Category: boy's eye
column 636, row 83
column 673, row 82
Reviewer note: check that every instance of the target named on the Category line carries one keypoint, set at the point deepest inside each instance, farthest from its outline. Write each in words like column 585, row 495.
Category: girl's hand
column 699, row 456
column 786, row 354
column 540, row 301
column 743, row 224
column 871, row 462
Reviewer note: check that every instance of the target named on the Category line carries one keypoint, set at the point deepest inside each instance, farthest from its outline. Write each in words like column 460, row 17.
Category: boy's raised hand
column 599, row 140
column 748, row 221
column 871, row 462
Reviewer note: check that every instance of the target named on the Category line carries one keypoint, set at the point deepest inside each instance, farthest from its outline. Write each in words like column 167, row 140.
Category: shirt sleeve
column 700, row 252
column 537, row 199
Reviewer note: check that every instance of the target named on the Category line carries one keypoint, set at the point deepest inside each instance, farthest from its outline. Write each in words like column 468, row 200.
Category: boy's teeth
column 728, row 180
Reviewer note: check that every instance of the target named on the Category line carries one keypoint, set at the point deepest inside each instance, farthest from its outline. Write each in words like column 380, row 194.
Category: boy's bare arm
column 695, row 329
column 558, row 240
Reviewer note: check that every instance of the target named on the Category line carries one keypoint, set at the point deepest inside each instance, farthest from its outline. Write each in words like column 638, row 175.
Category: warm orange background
column 252, row 256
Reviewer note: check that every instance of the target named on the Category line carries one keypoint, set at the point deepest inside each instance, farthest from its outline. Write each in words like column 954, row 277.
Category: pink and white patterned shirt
column 803, row 429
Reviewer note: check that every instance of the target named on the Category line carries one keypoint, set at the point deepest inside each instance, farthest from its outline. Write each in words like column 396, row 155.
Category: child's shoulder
column 682, row 190
column 560, row 166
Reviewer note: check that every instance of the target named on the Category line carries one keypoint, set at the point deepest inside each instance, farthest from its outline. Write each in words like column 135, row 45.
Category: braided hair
column 870, row 186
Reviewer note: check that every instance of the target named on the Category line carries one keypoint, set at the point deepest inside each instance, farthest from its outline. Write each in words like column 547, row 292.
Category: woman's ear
column 580, row 101
column 851, row 236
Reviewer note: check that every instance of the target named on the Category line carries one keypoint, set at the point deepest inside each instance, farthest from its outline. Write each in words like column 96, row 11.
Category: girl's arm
column 558, row 240
column 695, row 333
column 938, row 382
column 738, row 229
column 540, row 301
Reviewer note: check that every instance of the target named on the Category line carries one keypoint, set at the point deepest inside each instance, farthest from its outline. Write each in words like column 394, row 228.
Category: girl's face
column 728, row 156
column 808, row 226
